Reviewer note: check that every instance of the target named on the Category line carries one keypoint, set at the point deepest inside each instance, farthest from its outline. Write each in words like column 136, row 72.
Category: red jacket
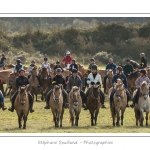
column 67, row 60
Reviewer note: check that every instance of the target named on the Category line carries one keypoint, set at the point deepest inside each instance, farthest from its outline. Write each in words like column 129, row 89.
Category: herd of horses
column 75, row 102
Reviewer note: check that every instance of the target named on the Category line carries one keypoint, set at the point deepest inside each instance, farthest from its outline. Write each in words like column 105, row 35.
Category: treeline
column 116, row 39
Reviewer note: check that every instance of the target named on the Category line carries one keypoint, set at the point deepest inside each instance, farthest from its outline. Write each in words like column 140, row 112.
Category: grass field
column 41, row 122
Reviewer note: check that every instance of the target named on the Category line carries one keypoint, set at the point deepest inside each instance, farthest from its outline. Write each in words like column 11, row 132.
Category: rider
column 140, row 79
column 22, row 81
column 58, row 66
column 67, row 59
column 2, row 98
column 73, row 65
column 18, row 66
column 45, row 64
column 75, row 80
column 95, row 78
column 119, row 75
column 143, row 61
column 3, row 59
column 30, row 68
column 92, row 62
column 128, row 68
column 57, row 80
column 111, row 65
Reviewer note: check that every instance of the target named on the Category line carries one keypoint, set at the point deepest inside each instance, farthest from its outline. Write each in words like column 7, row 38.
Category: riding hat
column 143, row 71
column 45, row 59
column 92, row 59
column 73, row 60
column 21, row 70
column 57, row 62
column 33, row 61
column 67, row 53
column 74, row 70
column 18, row 61
column 94, row 67
column 119, row 68
column 58, row 70
column 127, row 60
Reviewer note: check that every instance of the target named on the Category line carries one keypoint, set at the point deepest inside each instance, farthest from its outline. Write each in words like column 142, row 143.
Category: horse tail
column 113, row 112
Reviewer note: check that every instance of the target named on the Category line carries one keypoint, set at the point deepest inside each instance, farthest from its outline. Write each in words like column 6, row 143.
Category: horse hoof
column 136, row 124
column 60, row 126
column 146, row 124
column 24, row 127
column 122, row 124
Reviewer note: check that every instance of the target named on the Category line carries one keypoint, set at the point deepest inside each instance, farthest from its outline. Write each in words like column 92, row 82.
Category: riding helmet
column 119, row 68
column 127, row 60
column 57, row 62
column 94, row 67
column 92, row 59
column 18, row 61
column 74, row 60
column 33, row 61
column 45, row 59
column 67, row 53
column 74, row 70
column 58, row 70
column 143, row 71
column 21, row 70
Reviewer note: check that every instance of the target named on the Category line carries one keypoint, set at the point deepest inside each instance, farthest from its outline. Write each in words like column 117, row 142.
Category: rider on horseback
column 67, row 59
column 143, row 77
column 143, row 61
column 75, row 80
column 119, row 75
column 95, row 78
column 18, row 66
column 128, row 68
column 58, row 66
column 111, row 66
column 2, row 98
column 45, row 64
column 57, row 80
column 3, row 59
column 21, row 81
column 73, row 65
column 91, row 63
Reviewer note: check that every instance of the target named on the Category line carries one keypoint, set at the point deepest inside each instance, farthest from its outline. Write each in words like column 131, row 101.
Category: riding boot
column 102, row 99
column 48, row 99
column 13, row 101
column 86, row 96
column 128, row 97
column 104, row 84
column 3, row 106
column 30, row 102
column 83, row 99
column 111, row 97
column 135, row 98
column 29, row 76
column 65, row 99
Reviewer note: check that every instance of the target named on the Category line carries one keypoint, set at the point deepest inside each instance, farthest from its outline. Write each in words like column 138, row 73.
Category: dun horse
column 75, row 104
column 143, row 104
column 21, row 106
column 93, row 103
column 119, row 103
column 56, row 104
column 109, row 80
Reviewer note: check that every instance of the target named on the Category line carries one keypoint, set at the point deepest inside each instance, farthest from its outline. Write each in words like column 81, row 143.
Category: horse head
column 34, row 71
column 44, row 73
column 75, row 95
column 144, row 89
column 95, row 91
column 57, row 93
column 110, row 74
column 22, row 94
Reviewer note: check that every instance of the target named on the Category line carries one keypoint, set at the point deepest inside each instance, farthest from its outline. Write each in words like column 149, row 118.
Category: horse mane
column 133, row 75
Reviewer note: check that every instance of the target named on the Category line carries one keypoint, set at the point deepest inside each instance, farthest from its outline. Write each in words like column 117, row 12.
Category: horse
column 143, row 104
column 56, row 104
column 109, row 80
column 119, row 102
column 34, row 83
column 131, row 81
column 45, row 83
column 93, row 103
column 75, row 104
column 134, row 64
column 21, row 106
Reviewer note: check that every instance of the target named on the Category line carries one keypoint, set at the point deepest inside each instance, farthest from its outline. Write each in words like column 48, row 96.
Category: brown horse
column 33, row 81
column 131, row 81
column 109, row 80
column 119, row 103
column 143, row 104
column 93, row 103
column 45, row 83
column 75, row 104
column 56, row 104
column 21, row 106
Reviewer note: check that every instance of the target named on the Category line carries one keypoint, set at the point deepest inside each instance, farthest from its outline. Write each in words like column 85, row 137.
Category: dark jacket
column 74, row 82
column 3, row 59
column 128, row 69
column 90, row 66
column 58, row 67
column 112, row 67
column 143, row 62
column 58, row 79
column 17, row 67
column 122, row 77
column 21, row 80
column 72, row 66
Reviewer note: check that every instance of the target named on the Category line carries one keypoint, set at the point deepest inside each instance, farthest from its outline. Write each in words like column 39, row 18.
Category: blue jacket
column 111, row 66
column 122, row 77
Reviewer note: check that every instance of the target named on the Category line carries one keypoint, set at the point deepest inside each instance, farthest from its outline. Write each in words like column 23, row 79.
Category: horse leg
column 25, row 120
column 61, row 117
column 77, row 118
column 122, row 115
column 141, row 118
column 19, row 120
column 92, row 117
column 146, row 118
column 118, row 118
column 96, row 114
